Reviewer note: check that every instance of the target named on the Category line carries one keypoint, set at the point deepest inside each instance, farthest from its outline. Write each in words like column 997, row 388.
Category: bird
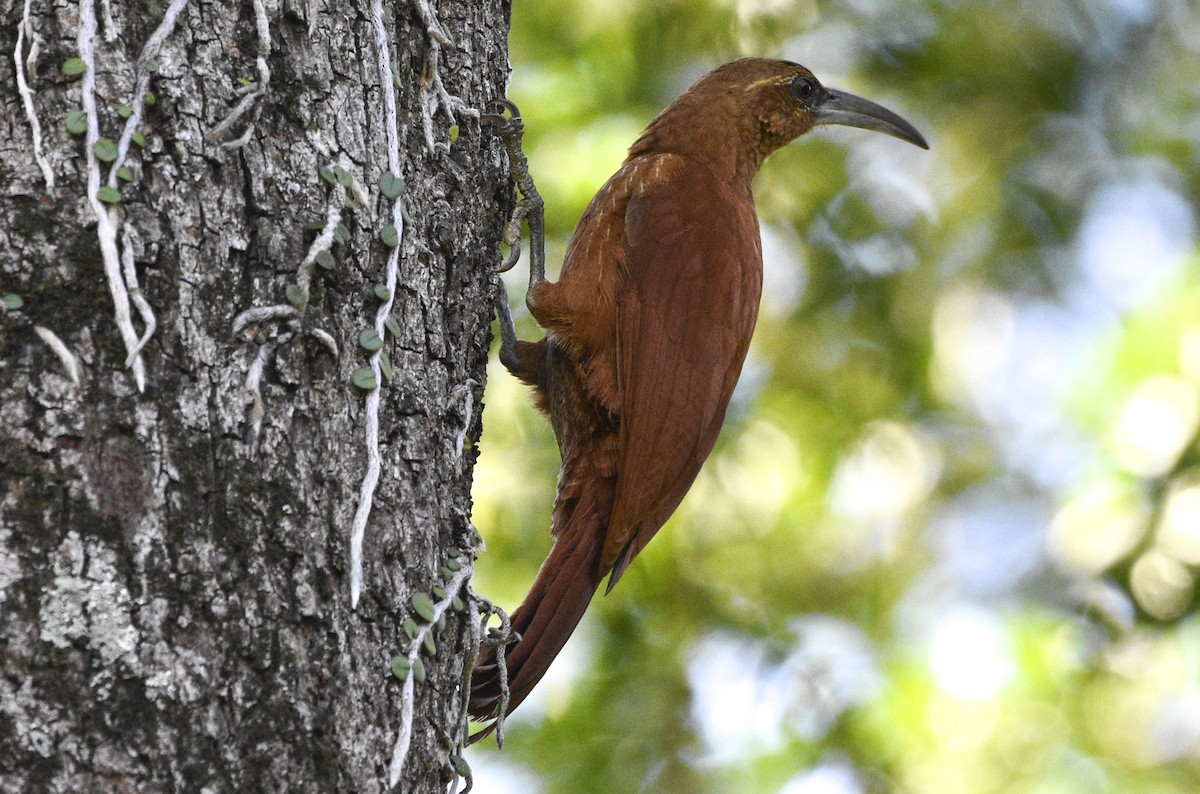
column 646, row 331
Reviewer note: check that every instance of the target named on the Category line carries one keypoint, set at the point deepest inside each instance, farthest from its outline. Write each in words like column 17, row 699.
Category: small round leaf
column 385, row 367
column 327, row 175
column 370, row 340
column 77, row 122
column 410, row 628
column 109, row 195
column 139, row 139
column 343, row 176
column 382, row 292
column 149, row 98
column 418, row 668
column 124, row 173
column 364, row 378
column 72, row 67
column 341, row 233
column 152, row 65
column 390, row 237
column 13, row 301
column 430, row 646
column 105, row 149
column 400, row 667
column 124, row 111
column 325, row 259
column 391, row 185
column 392, row 326
column 423, row 606
column 294, row 295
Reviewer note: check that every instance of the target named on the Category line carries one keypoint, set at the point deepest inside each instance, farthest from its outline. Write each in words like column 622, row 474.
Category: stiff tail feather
column 545, row 620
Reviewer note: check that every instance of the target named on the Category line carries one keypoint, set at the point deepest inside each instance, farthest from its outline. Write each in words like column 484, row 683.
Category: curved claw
column 509, row 105
column 514, row 254
column 497, row 117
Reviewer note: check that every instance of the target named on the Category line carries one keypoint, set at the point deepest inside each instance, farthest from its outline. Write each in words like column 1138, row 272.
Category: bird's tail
column 550, row 612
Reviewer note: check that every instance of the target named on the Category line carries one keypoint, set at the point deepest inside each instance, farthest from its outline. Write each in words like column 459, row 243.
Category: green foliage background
column 949, row 538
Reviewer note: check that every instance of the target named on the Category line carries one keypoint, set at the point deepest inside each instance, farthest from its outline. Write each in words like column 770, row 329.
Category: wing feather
column 684, row 321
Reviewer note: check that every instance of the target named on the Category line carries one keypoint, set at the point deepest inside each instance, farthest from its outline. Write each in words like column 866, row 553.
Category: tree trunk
column 197, row 240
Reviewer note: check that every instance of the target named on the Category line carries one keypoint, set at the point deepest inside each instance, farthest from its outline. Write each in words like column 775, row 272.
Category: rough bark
column 175, row 607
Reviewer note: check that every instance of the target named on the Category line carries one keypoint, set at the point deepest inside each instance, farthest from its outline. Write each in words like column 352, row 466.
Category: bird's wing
column 684, row 321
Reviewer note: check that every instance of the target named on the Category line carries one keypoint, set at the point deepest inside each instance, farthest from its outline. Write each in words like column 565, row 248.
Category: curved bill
column 849, row 110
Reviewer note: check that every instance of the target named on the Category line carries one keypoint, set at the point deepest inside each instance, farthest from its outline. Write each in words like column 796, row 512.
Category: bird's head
column 760, row 104
column 788, row 100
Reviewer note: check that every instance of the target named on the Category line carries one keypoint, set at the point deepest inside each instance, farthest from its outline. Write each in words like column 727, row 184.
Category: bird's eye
column 804, row 87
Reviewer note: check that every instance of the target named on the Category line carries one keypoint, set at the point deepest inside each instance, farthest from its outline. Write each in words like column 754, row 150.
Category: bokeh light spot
column 832, row 778
column 1161, row 584
column 1179, row 530
column 1155, row 425
column 1134, row 235
column 969, row 654
column 1097, row 527
column 885, row 473
column 973, row 332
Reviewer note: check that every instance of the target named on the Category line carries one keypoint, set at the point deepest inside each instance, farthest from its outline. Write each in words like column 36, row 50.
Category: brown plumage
column 646, row 332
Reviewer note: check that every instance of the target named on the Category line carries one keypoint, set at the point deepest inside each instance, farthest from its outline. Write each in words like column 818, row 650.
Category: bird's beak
column 840, row 107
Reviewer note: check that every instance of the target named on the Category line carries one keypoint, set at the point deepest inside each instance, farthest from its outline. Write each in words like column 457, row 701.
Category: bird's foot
column 512, row 236
column 508, row 331
column 530, row 207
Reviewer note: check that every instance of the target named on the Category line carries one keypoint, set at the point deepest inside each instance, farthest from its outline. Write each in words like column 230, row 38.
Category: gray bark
column 174, row 563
